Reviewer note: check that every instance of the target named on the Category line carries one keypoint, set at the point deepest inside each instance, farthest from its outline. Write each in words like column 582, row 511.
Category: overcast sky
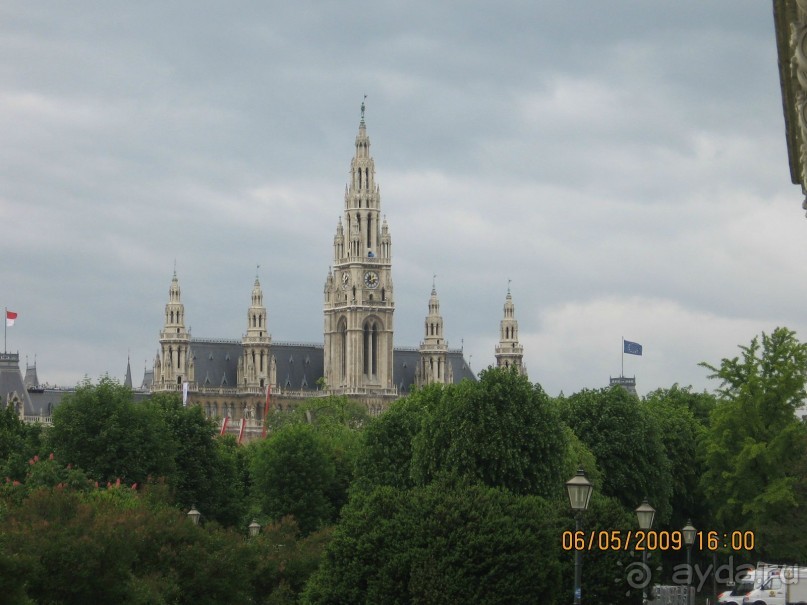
column 622, row 162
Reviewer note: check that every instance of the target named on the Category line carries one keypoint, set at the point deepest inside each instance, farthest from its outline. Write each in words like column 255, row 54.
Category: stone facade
column 359, row 302
column 790, row 21
column 231, row 379
column 434, row 365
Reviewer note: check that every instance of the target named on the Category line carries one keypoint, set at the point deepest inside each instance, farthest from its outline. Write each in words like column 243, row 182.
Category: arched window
column 342, row 348
column 370, row 348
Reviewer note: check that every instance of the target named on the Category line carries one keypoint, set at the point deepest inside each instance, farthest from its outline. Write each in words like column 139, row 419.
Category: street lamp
column 645, row 514
column 194, row 515
column 689, row 532
column 579, row 489
column 254, row 528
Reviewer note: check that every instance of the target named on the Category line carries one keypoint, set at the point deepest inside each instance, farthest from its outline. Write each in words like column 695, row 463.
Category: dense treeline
column 454, row 495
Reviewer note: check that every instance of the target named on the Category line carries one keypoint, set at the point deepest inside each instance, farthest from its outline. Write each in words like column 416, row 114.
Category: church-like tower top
column 361, row 233
column 173, row 291
column 509, row 351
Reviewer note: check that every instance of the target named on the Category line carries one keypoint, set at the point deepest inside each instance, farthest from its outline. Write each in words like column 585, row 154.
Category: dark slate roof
column 406, row 359
column 148, row 379
column 44, row 401
column 299, row 365
column 11, row 380
column 215, row 362
column 31, row 380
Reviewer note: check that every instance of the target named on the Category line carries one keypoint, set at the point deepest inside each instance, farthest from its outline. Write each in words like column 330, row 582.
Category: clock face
column 371, row 279
column 345, row 279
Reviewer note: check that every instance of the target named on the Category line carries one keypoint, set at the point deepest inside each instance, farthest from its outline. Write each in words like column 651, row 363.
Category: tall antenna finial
column 434, row 279
column 508, row 285
column 362, row 109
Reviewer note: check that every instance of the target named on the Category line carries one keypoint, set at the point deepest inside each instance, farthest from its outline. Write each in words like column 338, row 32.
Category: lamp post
column 645, row 514
column 254, row 528
column 194, row 515
column 579, row 489
column 689, row 532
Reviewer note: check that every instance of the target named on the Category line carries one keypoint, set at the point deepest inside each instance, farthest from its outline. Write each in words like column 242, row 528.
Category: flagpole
column 623, row 357
column 5, row 329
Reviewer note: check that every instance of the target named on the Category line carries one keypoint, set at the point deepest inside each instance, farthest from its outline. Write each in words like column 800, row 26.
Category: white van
column 786, row 586
column 747, row 582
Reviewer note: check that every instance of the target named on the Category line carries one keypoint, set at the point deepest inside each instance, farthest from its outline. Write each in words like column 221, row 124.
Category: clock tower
column 358, row 290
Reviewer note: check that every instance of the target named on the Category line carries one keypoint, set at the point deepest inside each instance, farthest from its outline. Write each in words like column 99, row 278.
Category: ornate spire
column 509, row 352
column 434, row 348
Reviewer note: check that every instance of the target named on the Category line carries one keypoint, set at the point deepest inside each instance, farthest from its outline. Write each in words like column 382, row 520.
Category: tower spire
column 358, row 290
column 175, row 366
column 509, row 352
column 433, row 366
column 254, row 365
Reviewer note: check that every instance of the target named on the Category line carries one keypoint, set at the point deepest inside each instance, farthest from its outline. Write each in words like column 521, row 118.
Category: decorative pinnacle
column 362, row 109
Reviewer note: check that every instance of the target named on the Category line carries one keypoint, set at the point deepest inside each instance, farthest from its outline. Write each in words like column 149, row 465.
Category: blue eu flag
column 632, row 348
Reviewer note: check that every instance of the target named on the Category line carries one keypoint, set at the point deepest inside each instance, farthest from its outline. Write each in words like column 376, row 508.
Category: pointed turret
column 509, row 352
column 127, row 380
column 434, row 348
column 254, row 365
column 173, row 366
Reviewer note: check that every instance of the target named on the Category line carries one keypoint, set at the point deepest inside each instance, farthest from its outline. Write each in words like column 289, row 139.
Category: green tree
column 620, row 432
column 19, row 442
column 754, row 441
column 502, row 431
column 205, row 467
column 113, row 546
column 294, row 475
column 604, row 571
column 100, row 429
column 447, row 542
column 682, row 432
column 387, row 442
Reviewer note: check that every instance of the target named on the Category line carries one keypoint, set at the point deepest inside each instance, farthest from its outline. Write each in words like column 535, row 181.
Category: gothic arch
column 371, row 329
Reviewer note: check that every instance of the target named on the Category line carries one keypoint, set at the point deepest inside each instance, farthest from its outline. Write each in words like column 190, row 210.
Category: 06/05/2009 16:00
column 655, row 540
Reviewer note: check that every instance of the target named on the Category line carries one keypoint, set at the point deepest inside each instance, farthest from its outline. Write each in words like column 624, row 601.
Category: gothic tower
column 173, row 364
column 358, row 290
column 434, row 348
column 255, row 364
column 509, row 353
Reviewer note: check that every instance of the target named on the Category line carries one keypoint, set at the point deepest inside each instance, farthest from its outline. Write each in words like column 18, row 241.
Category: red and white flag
column 10, row 317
